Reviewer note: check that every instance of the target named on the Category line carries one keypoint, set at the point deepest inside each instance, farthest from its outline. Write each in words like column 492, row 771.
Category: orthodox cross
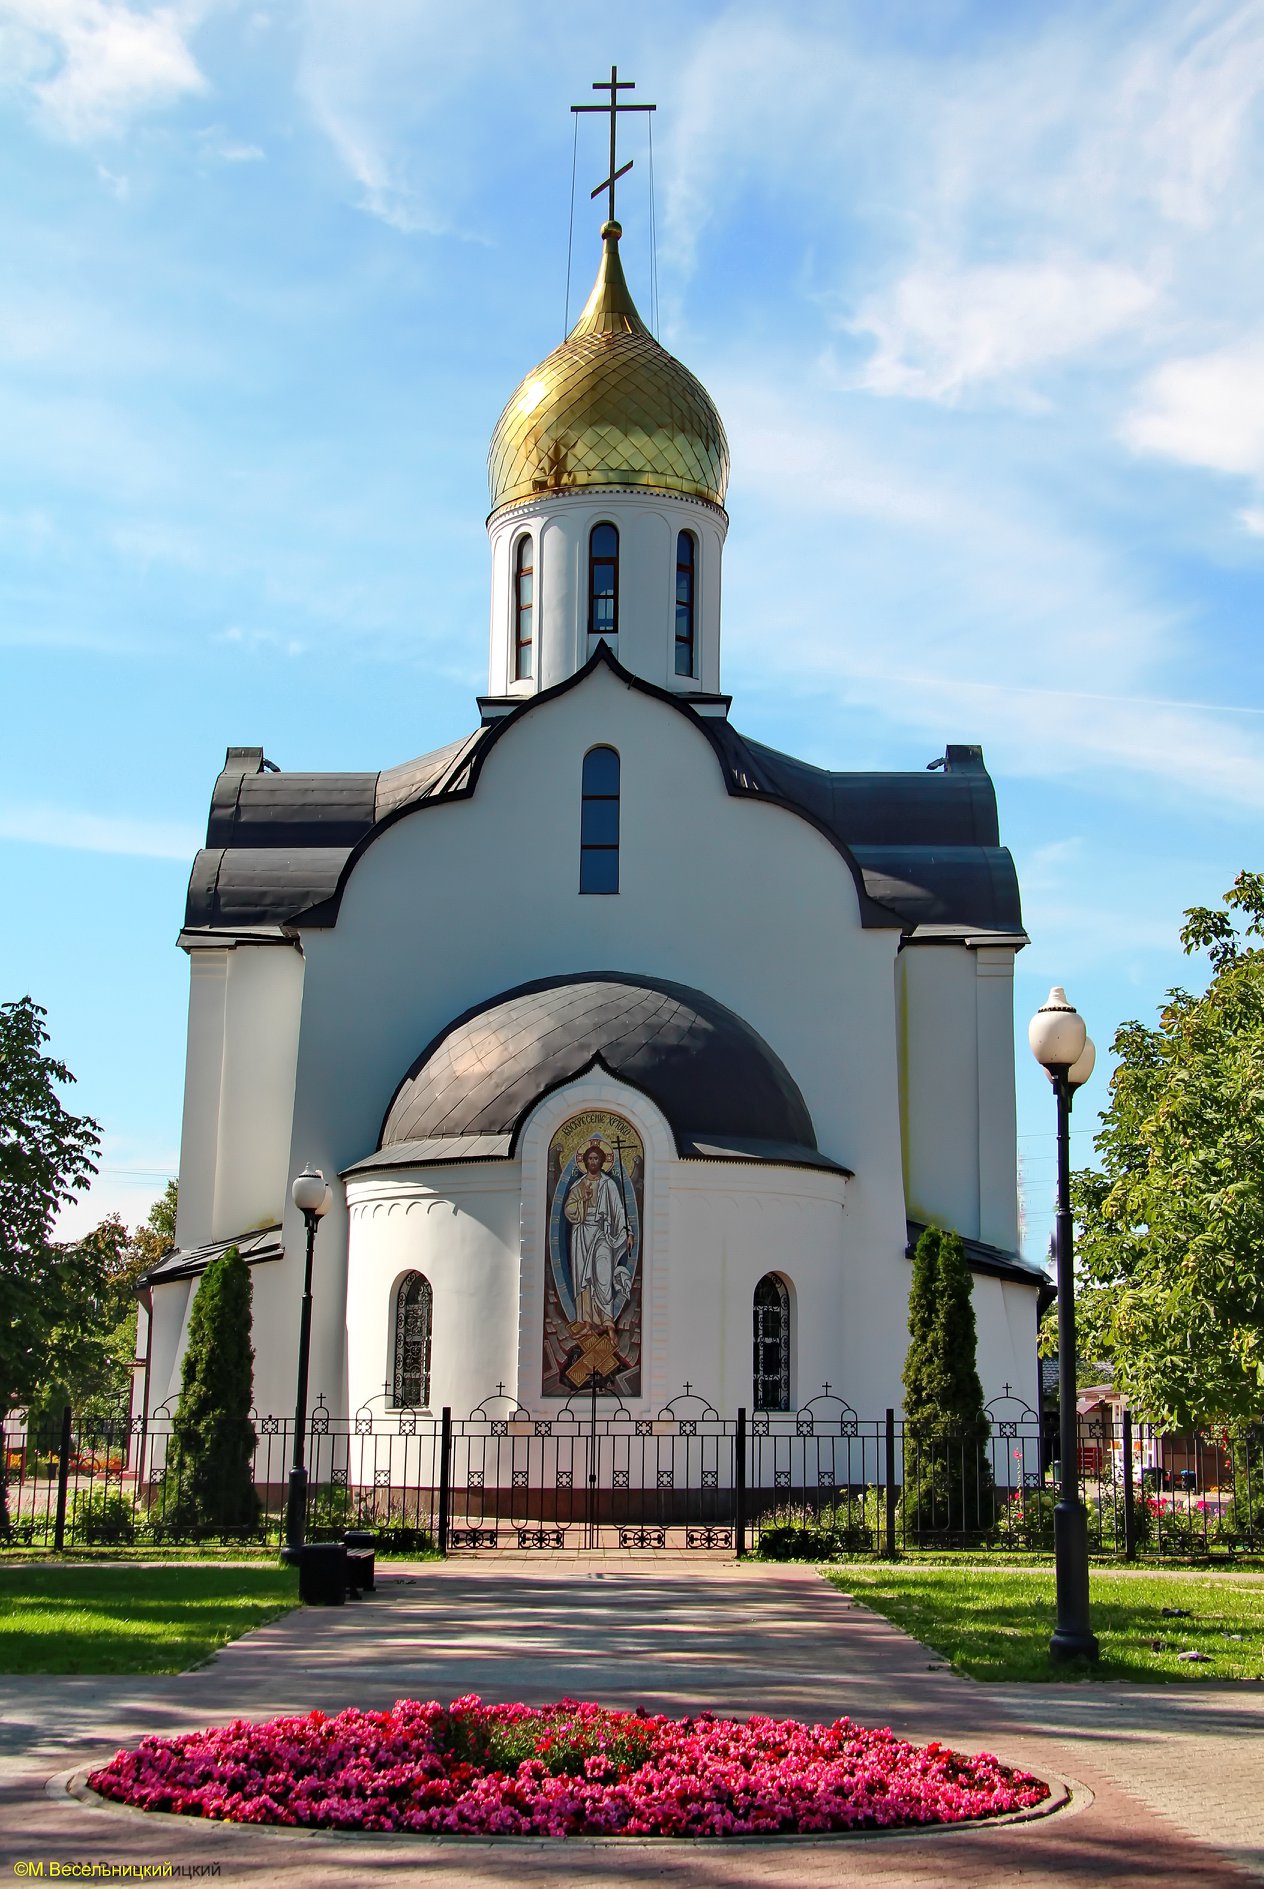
column 614, row 85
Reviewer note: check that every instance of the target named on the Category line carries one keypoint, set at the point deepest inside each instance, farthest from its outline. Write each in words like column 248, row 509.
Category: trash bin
column 322, row 1574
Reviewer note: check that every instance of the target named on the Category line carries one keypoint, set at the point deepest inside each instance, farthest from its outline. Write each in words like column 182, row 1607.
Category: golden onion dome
column 608, row 407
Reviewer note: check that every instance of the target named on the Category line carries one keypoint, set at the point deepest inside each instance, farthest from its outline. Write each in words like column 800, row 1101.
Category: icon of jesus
column 601, row 1241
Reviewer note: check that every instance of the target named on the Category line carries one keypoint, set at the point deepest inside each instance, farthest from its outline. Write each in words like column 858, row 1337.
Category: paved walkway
column 1168, row 1779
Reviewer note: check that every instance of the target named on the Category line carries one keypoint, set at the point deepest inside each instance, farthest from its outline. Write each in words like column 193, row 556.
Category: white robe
column 599, row 1247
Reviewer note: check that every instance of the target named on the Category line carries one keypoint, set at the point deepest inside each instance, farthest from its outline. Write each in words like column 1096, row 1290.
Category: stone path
column 1169, row 1778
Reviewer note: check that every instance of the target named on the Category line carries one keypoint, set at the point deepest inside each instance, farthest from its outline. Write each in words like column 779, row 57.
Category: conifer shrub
column 948, row 1487
column 210, row 1459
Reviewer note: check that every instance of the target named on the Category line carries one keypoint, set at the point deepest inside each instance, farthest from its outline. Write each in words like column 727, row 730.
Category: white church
column 634, row 1051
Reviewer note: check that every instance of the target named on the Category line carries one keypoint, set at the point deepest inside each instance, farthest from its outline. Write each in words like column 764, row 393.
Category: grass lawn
column 94, row 1619
column 994, row 1623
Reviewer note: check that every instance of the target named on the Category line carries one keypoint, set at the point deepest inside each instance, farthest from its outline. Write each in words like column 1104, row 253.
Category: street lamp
column 312, row 1198
column 1059, row 1042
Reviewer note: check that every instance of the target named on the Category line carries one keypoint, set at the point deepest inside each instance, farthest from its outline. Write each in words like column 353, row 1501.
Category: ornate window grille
column 686, row 560
column 413, row 1318
column 524, row 607
column 603, row 582
column 772, row 1344
column 599, row 822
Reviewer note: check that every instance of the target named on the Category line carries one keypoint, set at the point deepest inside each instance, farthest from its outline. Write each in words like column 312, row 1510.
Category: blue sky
column 977, row 289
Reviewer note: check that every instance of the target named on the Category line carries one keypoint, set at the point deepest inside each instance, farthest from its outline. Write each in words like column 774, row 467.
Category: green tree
column 1170, row 1247
column 921, row 1388
column 948, row 1478
column 46, row 1161
column 212, row 1438
column 92, row 1339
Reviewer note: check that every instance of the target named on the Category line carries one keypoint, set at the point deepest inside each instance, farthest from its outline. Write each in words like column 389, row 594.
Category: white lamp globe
column 309, row 1191
column 1056, row 1032
column 1082, row 1068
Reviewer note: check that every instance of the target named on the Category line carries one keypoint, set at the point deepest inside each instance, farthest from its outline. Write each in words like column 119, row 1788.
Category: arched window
column 603, row 582
column 413, row 1305
column 523, row 607
column 686, row 562
column 599, row 822
column 772, row 1344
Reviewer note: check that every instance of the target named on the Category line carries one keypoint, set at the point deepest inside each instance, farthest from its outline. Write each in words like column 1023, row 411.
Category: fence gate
column 590, row 1475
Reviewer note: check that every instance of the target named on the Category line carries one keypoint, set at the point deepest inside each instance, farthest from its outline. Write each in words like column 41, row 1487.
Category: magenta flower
column 569, row 1769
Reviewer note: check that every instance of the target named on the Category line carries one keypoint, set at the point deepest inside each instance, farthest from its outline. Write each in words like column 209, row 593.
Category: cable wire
column 570, row 233
column 653, row 235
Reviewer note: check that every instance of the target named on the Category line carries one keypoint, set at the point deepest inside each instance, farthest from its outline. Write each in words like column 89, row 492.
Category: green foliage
column 1242, row 1523
column 46, row 1161
column 103, row 1517
column 921, row 1385
column 1171, row 1239
column 212, row 1437
column 561, row 1739
column 947, row 1477
column 850, row 1525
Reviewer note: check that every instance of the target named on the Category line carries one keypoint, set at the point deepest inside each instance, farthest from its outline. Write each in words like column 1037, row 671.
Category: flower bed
column 471, row 1769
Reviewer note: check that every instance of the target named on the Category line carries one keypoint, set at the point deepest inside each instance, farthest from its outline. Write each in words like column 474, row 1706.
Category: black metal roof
column 725, row 1092
column 255, row 1247
column 995, row 1262
column 923, row 848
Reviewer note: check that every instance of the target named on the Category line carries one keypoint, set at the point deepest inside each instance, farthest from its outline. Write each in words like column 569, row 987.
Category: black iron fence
column 818, row 1482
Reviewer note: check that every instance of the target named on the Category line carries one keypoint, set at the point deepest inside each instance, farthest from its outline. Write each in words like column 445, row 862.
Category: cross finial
column 688, row 1387
column 500, row 1388
column 826, row 1387
column 614, row 85
column 1006, row 1390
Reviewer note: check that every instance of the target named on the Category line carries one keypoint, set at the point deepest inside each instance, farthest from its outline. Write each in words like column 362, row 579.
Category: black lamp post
column 1059, row 1042
column 312, row 1198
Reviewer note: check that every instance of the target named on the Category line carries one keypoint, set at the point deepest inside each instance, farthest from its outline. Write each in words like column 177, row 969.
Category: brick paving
column 1167, row 1779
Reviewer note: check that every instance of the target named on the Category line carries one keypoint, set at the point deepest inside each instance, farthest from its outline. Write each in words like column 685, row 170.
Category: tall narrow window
column 523, row 607
column 413, row 1304
column 599, row 822
column 686, row 555
column 603, row 582
column 772, row 1344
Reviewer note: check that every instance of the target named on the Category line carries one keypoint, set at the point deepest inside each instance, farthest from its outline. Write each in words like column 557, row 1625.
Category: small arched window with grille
column 686, row 579
column 599, row 822
column 772, row 1344
column 603, row 582
column 413, row 1318
column 523, row 608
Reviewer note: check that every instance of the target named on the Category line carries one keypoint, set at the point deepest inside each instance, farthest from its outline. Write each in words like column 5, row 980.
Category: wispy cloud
column 939, row 332
column 92, row 66
column 37, row 825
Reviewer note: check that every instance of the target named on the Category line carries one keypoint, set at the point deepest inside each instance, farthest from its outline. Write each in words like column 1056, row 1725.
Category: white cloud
column 1251, row 519
column 1206, row 410
column 98, row 832
column 94, row 65
column 940, row 331
column 958, row 602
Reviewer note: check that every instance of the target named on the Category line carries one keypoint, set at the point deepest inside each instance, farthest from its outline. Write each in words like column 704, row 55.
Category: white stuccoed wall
column 455, row 903
column 244, row 1008
column 957, row 1088
column 648, row 524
